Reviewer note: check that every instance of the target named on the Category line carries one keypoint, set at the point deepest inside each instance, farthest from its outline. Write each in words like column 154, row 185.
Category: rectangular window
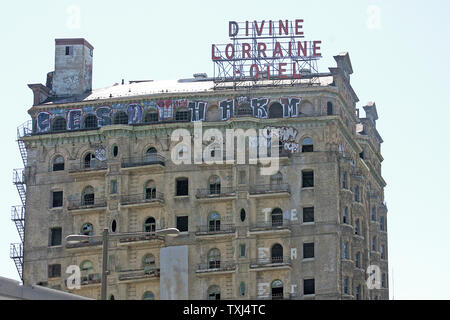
column 346, row 281
column 69, row 50
column 358, row 293
column 345, row 250
column 113, row 186
column 308, row 250
column 241, row 177
column 344, row 180
column 57, row 199
column 55, row 236
column 242, row 249
column 308, row 214
column 182, row 223
column 381, row 223
column 54, row 270
column 182, row 187
column 383, row 251
column 308, row 286
column 307, row 179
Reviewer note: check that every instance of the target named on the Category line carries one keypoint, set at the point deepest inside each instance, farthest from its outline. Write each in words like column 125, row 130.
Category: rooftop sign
column 265, row 50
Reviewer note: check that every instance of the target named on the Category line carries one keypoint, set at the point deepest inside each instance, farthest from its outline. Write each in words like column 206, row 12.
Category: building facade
column 107, row 158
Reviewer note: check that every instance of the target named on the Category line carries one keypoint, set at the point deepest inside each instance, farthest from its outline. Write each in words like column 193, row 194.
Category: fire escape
column 18, row 212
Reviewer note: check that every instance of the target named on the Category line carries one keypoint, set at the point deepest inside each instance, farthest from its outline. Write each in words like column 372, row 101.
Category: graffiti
column 134, row 113
column 104, row 116
column 290, row 106
column 198, row 110
column 74, row 119
column 259, row 106
column 165, row 109
column 100, row 153
column 43, row 121
column 287, row 136
column 227, row 107
column 179, row 103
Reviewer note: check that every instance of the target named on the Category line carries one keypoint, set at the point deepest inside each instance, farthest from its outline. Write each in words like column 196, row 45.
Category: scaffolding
column 18, row 212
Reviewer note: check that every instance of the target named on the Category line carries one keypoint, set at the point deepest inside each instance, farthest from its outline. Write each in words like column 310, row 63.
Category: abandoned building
column 102, row 158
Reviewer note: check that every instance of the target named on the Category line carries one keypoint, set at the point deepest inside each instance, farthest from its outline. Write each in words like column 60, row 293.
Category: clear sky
column 400, row 55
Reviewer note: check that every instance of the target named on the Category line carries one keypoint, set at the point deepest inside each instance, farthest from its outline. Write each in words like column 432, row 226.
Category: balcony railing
column 142, row 198
column 145, row 273
column 271, row 225
column 269, row 188
column 146, row 160
column 216, row 266
column 90, row 279
column 25, row 129
column 215, row 192
column 133, row 238
column 88, row 166
column 89, row 243
column 215, row 229
column 86, row 204
column 275, row 261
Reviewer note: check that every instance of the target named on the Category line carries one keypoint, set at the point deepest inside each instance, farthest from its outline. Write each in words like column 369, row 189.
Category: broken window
column 88, row 196
column 277, row 253
column 307, row 179
column 182, row 223
column 308, row 214
column 277, row 217
column 182, row 187
column 89, row 161
column 309, row 286
column 214, row 222
column 54, row 271
column 59, row 124
column 307, row 145
column 120, row 118
column 214, row 259
column 214, row 293
column 57, row 199
column 150, row 225
column 55, row 236
column 308, row 250
column 58, row 163
column 277, row 290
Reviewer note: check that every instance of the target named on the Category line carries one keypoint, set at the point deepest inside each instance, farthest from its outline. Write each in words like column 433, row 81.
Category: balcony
column 144, row 240
column 142, row 163
column 216, row 267
column 270, row 190
column 216, row 193
column 83, row 246
column 91, row 205
column 263, row 264
column 91, row 279
column 142, row 200
column 92, row 167
column 270, row 227
column 216, row 230
column 147, row 273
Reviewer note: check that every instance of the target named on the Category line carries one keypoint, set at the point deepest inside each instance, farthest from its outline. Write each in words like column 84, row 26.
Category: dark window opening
column 276, row 110
column 90, row 122
column 114, row 226
column 58, row 164
column 277, row 253
column 183, row 116
column 57, row 199
column 182, row 223
column 59, row 124
column 182, row 187
column 120, row 118
column 151, row 117
column 307, row 179
column 245, row 110
column 307, row 145
column 150, row 193
column 214, row 185
column 150, row 225
column 69, row 50
column 277, row 290
column 242, row 215
column 89, row 160
column 309, row 286
column 88, row 196
column 308, row 250
column 214, row 222
column 277, row 217
column 54, row 271
column 242, row 250
column 308, row 214
column 115, row 151
column 329, row 108
column 55, row 236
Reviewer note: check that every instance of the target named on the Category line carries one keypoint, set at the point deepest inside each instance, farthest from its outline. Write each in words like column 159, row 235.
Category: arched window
column 276, row 179
column 58, row 163
column 329, row 108
column 59, row 124
column 148, row 295
column 276, row 110
column 307, row 145
column 276, row 217
column 214, row 185
column 113, row 226
column 151, row 150
column 148, row 261
column 115, row 151
column 277, row 290
column 87, row 197
column 87, row 229
column 242, row 214
column 277, row 253
column 214, row 293
column 120, row 118
column 89, row 160
column 151, row 117
column 245, row 110
column 150, row 225
column 214, row 259
column 150, row 190
column 306, row 109
column 90, row 122
column 183, row 115
column 214, row 221
column 86, row 267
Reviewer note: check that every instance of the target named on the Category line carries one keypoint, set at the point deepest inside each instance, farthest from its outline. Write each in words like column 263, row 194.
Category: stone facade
column 342, row 153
